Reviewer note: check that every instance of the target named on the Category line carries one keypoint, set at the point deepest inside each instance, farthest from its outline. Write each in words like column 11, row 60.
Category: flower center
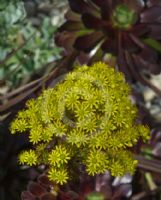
column 123, row 17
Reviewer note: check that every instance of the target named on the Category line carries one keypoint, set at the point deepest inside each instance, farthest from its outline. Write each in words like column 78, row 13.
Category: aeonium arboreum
column 86, row 120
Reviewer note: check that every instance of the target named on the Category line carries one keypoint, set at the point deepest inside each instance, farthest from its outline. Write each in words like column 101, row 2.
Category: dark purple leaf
column 139, row 29
column 98, row 2
column 123, row 67
column 88, row 42
column 146, row 53
column 136, row 5
column 128, row 44
column 155, row 136
column 79, row 6
column 36, row 189
column 91, row 21
column 48, row 196
column 155, row 31
column 110, row 46
column 106, row 10
column 27, row 196
column 149, row 54
column 145, row 64
column 150, row 15
column 153, row 2
column 157, row 150
column 43, row 179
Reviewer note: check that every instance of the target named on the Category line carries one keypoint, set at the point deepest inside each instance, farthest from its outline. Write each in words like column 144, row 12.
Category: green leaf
column 153, row 43
column 95, row 196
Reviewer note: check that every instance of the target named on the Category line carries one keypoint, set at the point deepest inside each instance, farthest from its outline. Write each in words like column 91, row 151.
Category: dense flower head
column 87, row 119
column 127, row 29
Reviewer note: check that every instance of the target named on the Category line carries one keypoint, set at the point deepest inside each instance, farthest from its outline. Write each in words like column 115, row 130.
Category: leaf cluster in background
column 24, row 49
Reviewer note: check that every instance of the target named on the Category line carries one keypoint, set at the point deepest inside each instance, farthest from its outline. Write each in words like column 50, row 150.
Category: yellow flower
column 87, row 118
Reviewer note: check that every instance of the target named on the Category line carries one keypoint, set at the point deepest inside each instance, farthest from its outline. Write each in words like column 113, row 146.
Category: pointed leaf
column 27, row 196
column 79, row 6
column 155, row 31
column 141, row 63
column 110, row 46
column 139, row 29
column 88, row 42
column 91, row 21
column 150, row 15
column 153, row 3
column 153, row 43
column 136, row 5
column 48, row 196
column 98, row 2
column 36, row 189
column 71, row 26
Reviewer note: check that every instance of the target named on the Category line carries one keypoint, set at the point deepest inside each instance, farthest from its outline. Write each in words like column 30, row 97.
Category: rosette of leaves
column 86, row 120
column 129, row 30
column 82, row 190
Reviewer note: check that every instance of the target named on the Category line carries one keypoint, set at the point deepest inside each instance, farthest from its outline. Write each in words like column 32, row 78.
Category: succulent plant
column 127, row 29
column 42, row 189
column 86, row 121
column 103, row 187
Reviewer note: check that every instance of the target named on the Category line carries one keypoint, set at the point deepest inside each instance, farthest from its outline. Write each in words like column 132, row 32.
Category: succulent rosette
column 127, row 29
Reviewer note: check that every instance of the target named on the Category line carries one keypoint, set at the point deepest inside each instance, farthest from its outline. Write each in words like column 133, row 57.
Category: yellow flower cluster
column 87, row 119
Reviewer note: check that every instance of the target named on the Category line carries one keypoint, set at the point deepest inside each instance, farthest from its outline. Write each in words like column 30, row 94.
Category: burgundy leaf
column 27, row 196
column 88, row 42
column 106, row 10
column 110, row 46
column 128, row 44
column 123, row 66
column 48, row 196
column 136, row 5
column 68, row 195
column 98, row 2
column 139, row 29
column 155, row 136
column 36, row 189
column 157, row 150
column 155, row 31
column 152, row 14
column 153, row 3
column 79, row 6
column 149, row 54
column 145, row 64
column 43, row 179
column 146, row 53
column 87, row 186
column 91, row 21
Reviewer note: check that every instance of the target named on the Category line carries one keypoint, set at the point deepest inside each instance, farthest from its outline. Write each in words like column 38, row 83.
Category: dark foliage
column 130, row 30
column 93, row 30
